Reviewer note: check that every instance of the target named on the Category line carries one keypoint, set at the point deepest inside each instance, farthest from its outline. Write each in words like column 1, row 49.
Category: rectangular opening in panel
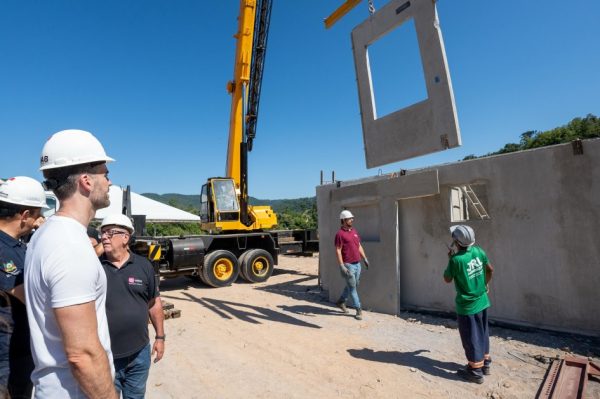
column 397, row 79
column 468, row 202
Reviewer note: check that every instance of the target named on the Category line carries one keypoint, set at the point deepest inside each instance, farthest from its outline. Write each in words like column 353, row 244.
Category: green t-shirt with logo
column 467, row 269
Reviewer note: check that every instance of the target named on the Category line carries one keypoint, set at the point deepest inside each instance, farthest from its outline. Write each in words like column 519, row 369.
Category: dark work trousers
column 474, row 335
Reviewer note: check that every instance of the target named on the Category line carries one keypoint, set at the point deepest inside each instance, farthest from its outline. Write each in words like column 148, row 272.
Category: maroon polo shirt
column 348, row 241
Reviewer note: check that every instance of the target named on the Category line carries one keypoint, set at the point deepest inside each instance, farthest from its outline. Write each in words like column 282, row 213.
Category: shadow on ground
column 309, row 310
column 299, row 289
column 577, row 344
column 278, row 270
column 413, row 359
column 242, row 311
column 305, row 289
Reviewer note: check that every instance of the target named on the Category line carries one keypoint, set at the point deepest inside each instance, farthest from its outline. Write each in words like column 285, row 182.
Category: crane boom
column 252, row 34
column 239, row 85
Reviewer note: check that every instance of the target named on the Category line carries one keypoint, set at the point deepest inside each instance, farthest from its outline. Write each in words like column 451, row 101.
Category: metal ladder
column 474, row 201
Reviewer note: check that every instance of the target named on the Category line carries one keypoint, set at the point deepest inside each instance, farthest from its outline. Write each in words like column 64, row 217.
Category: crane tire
column 241, row 259
column 257, row 265
column 220, row 268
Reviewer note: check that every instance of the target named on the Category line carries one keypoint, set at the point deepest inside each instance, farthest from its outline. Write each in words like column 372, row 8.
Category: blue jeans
column 4, row 361
column 351, row 284
column 131, row 373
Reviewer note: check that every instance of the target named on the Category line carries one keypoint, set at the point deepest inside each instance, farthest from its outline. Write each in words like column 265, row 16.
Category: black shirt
column 130, row 288
column 13, row 316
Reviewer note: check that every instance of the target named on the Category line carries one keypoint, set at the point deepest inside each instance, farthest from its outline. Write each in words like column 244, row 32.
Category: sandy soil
column 283, row 339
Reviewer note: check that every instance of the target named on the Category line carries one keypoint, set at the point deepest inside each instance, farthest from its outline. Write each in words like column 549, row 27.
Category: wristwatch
column 160, row 337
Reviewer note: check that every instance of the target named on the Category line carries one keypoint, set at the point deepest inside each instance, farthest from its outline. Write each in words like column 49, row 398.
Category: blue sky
column 148, row 79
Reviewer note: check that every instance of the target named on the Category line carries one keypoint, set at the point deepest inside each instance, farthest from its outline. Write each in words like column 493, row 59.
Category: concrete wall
column 543, row 236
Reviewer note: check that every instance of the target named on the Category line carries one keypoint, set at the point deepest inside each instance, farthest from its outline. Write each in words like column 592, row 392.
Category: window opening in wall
column 396, row 71
column 468, row 202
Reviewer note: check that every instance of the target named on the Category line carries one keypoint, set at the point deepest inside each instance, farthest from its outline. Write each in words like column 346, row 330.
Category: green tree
column 173, row 229
column 510, row 147
column 305, row 218
column 578, row 128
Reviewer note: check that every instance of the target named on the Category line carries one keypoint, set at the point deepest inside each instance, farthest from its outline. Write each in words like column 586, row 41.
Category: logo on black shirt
column 135, row 281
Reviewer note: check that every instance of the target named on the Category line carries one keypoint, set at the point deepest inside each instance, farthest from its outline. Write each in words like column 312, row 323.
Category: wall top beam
column 414, row 185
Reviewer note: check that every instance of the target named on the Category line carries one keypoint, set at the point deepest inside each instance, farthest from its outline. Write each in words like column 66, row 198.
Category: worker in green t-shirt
column 471, row 272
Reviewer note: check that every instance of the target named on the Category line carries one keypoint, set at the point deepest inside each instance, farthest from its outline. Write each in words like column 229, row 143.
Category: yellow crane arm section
column 239, row 87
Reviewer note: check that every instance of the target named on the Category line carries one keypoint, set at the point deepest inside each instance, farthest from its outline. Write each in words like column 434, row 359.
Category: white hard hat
column 346, row 214
column 23, row 190
column 118, row 219
column 463, row 234
column 72, row 147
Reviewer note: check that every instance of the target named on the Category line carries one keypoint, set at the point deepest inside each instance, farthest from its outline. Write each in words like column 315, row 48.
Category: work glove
column 366, row 261
column 345, row 270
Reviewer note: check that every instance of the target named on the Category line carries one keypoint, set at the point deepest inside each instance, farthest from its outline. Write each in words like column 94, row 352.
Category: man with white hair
column 132, row 297
column 64, row 282
column 471, row 272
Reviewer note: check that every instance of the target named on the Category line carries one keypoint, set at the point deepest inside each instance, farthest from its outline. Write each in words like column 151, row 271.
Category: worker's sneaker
column 486, row 366
column 342, row 305
column 471, row 375
column 358, row 314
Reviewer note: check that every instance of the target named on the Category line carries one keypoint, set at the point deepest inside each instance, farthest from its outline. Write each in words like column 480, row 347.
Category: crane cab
column 221, row 209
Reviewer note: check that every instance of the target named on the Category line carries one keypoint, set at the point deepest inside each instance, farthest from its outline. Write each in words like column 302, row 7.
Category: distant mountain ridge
column 190, row 202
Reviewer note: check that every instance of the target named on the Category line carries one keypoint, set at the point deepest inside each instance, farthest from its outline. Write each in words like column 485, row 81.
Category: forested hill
column 191, row 202
column 578, row 128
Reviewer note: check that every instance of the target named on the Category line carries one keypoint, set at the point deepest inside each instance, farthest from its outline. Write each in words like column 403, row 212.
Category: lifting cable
column 371, row 7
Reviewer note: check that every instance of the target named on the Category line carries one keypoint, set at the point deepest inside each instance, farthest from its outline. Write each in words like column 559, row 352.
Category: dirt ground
column 283, row 339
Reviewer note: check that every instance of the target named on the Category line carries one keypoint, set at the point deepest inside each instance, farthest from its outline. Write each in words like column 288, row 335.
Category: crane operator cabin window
column 225, row 196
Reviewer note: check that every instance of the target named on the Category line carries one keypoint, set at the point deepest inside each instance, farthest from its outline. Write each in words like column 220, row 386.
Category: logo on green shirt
column 474, row 268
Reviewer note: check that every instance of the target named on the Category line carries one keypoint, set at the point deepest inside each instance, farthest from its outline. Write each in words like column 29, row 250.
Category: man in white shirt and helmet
column 65, row 284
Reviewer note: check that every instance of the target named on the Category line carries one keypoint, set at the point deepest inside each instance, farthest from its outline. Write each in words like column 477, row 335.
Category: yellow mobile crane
column 239, row 242
column 224, row 200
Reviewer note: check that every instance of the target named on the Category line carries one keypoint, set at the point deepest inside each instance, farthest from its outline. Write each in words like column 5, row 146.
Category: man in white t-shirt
column 65, row 285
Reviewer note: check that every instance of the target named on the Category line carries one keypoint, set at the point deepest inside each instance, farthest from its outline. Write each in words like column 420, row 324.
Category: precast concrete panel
column 424, row 127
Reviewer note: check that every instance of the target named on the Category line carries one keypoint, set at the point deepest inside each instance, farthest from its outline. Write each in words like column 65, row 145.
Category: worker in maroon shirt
column 349, row 253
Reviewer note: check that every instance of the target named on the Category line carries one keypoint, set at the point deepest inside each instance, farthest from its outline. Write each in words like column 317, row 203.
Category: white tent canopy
column 155, row 211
